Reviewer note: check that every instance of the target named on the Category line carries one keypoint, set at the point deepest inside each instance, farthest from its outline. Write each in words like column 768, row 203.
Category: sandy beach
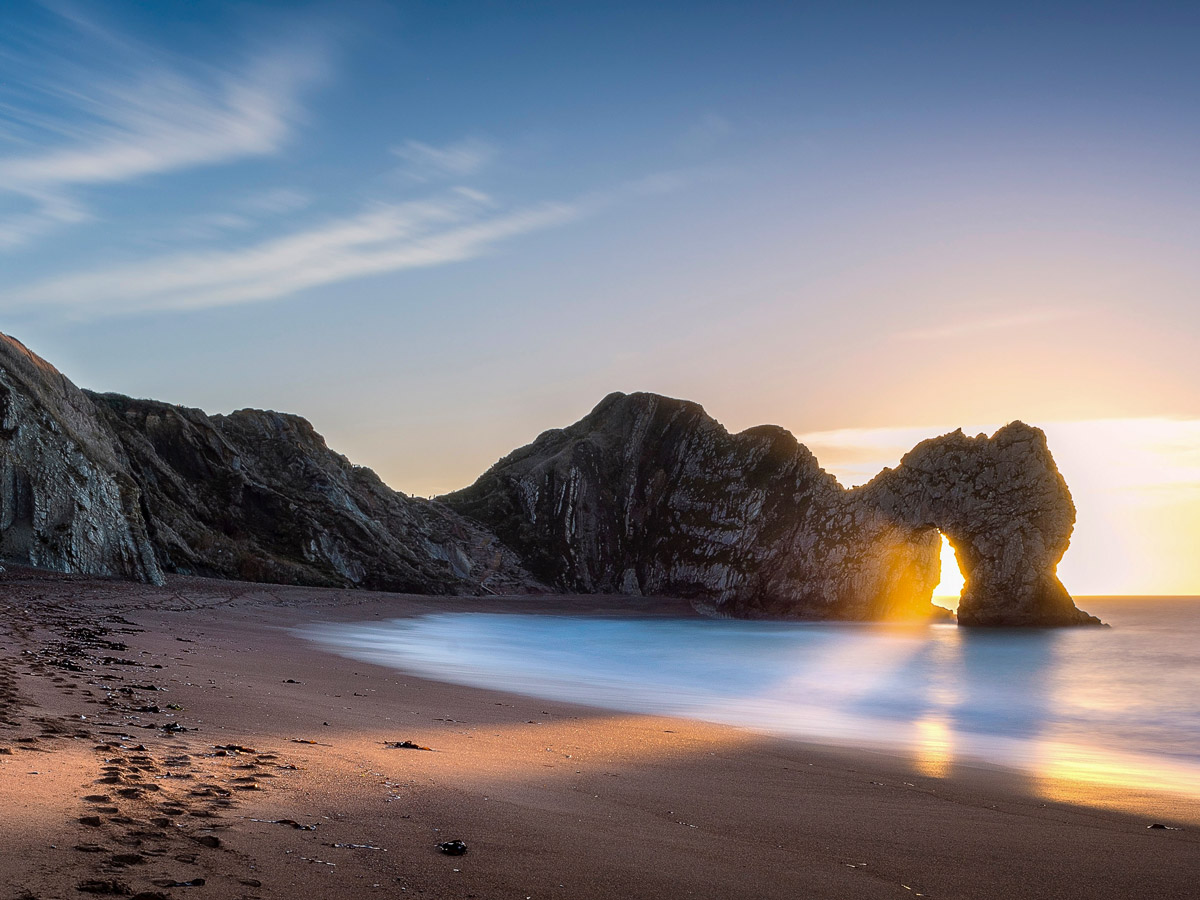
column 182, row 742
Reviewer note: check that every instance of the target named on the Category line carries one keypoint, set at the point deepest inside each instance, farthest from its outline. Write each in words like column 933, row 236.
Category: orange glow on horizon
column 1135, row 483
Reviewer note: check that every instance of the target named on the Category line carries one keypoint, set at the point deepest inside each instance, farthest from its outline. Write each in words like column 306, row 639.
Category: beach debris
column 405, row 745
column 453, row 848
column 127, row 859
column 306, row 741
column 173, row 728
column 360, row 847
column 291, row 823
column 1160, row 826
column 109, row 886
column 195, row 882
column 292, row 681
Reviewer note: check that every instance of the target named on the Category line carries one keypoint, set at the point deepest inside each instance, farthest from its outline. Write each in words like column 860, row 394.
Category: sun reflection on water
column 1087, row 715
column 934, row 746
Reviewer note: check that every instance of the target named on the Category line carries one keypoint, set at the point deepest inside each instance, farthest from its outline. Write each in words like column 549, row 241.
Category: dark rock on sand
column 649, row 495
column 106, row 886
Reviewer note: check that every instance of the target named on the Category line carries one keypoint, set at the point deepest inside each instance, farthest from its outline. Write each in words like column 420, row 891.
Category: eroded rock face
column 646, row 495
column 66, row 500
column 259, row 496
column 102, row 484
column 650, row 495
column 1006, row 510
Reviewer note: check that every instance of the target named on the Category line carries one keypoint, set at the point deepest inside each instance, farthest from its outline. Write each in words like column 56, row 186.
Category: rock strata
column 108, row 485
column 645, row 495
column 649, row 495
column 67, row 502
column 1005, row 509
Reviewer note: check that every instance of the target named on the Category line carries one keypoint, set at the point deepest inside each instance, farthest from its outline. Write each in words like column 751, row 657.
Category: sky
column 436, row 230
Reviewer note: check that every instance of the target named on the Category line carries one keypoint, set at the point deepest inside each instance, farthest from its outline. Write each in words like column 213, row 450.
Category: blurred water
column 1116, row 705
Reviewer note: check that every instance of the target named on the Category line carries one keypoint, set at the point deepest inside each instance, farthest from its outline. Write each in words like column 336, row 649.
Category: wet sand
column 151, row 738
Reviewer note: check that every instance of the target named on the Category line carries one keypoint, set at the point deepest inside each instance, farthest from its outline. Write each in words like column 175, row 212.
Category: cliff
column 103, row 484
column 67, row 501
column 645, row 495
column 650, row 495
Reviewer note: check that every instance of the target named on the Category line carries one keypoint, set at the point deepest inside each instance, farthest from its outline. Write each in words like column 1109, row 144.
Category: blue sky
column 437, row 229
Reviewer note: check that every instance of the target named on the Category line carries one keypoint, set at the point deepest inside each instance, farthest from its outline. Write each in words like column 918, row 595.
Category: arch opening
column 949, row 590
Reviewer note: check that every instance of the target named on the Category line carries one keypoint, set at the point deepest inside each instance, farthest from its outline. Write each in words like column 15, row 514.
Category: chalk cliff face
column 650, row 495
column 102, row 484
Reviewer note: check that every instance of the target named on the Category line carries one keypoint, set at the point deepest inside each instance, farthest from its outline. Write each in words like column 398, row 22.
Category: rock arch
column 1005, row 509
column 650, row 495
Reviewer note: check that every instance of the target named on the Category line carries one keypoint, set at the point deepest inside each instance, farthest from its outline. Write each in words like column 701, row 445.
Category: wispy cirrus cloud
column 458, row 225
column 244, row 215
column 425, row 162
column 101, row 120
column 968, row 327
column 277, row 201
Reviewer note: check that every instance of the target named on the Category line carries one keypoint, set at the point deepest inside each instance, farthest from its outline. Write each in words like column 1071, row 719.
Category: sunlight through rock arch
column 950, row 588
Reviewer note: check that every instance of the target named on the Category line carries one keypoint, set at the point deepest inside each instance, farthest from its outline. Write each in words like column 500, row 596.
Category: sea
column 1108, row 706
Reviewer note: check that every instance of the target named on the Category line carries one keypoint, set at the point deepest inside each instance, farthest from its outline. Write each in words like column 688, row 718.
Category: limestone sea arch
column 650, row 495
column 645, row 495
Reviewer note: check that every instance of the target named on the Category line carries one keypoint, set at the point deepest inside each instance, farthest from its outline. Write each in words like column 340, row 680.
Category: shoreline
column 553, row 799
